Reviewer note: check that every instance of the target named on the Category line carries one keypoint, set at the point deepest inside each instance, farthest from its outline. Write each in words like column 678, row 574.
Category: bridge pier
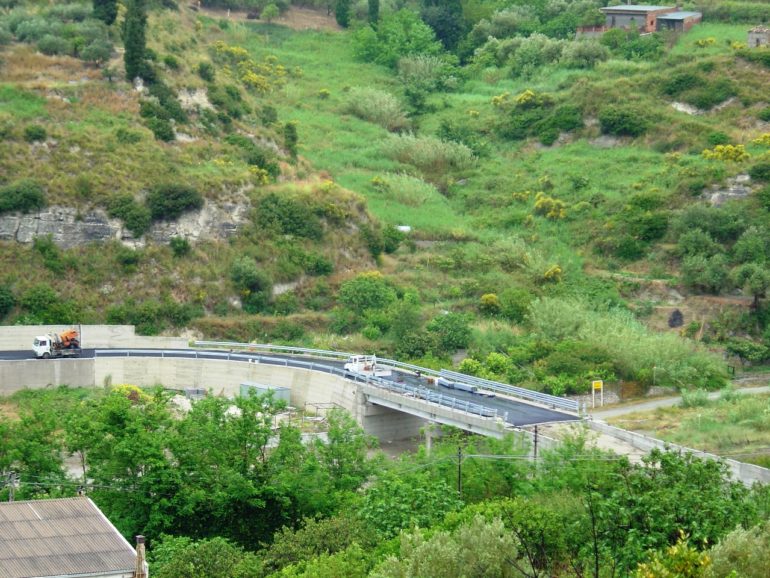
column 387, row 424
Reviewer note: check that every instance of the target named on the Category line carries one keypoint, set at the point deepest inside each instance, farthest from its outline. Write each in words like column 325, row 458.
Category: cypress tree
column 106, row 10
column 374, row 12
column 342, row 13
column 134, row 38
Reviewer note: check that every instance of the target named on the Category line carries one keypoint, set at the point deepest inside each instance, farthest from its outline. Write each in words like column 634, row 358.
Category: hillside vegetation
column 554, row 191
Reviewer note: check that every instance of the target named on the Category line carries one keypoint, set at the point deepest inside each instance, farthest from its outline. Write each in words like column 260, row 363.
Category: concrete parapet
column 20, row 337
column 746, row 473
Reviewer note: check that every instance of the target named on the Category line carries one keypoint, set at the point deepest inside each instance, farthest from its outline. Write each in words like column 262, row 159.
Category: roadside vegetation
column 734, row 426
column 218, row 491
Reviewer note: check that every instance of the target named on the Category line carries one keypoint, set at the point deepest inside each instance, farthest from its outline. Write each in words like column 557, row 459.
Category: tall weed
column 377, row 106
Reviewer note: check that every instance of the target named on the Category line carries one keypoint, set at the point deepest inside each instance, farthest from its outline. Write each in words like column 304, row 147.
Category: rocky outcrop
column 70, row 228
column 738, row 187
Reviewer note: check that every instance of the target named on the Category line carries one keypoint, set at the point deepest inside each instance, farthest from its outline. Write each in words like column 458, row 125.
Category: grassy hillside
column 554, row 189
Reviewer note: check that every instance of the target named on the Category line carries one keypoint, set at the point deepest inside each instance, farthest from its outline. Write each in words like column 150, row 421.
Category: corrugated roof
column 68, row 536
column 635, row 8
column 678, row 15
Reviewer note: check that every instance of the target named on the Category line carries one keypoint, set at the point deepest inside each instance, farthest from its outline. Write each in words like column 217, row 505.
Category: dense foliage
column 243, row 499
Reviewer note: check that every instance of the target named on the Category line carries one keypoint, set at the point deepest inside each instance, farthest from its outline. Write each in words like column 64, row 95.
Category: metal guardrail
column 520, row 392
column 289, row 350
column 415, row 392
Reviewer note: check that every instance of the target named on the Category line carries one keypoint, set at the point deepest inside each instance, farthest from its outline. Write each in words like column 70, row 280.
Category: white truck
column 365, row 365
column 64, row 344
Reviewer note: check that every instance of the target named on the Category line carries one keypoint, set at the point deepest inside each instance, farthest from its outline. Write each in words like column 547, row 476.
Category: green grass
column 738, row 427
column 21, row 104
column 723, row 35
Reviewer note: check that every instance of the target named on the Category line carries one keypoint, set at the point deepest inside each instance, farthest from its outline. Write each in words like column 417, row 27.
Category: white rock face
column 68, row 228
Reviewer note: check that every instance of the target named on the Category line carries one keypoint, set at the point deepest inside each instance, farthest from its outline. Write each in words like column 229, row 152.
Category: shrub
column 431, row 155
column 452, row 331
column 53, row 45
column 727, row 153
column 377, row 106
column 24, row 196
column 171, row 61
column 717, row 138
column 169, row 202
column 391, row 239
column 287, row 216
column 98, row 51
column 760, row 172
column 127, row 136
column 366, row 291
column 764, row 114
column 255, row 286
column 584, row 54
column 694, row 398
column 161, row 128
column 179, row 246
column 681, row 82
column 398, row 34
column 206, row 71
column 7, row 301
column 35, row 133
column 135, row 217
column 490, row 304
column 427, row 72
column 291, row 138
column 514, row 304
column 623, row 120
column 50, row 253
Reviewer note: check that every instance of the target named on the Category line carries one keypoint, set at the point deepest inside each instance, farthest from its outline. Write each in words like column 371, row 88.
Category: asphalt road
column 516, row 413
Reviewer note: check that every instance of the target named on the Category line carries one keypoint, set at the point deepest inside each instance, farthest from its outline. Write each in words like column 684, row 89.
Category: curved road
column 514, row 412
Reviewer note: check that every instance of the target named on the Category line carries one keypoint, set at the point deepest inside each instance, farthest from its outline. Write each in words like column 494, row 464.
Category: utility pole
column 460, row 471
column 12, row 479
column 535, row 440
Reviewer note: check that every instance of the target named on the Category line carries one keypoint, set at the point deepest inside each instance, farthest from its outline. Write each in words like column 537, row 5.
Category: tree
column 754, row 279
column 452, row 330
column 481, row 548
column 398, row 34
column 344, row 453
column 374, row 12
column 180, row 557
column 367, row 291
column 135, row 40
column 290, row 138
column 445, row 17
column 106, row 10
column 342, row 12
column 270, row 13
column 397, row 502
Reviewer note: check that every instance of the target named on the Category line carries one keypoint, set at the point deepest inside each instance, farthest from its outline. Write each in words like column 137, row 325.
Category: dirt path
column 295, row 18
column 665, row 402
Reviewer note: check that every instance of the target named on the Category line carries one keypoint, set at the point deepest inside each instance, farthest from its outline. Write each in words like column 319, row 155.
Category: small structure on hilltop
column 678, row 21
column 759, row 36
column 646, row 19
column 65, row 537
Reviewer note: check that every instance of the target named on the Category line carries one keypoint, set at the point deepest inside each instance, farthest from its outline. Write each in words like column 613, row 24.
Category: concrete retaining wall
column 221, row 376
column 747, row 473
column 20, row 337
column 36, row 374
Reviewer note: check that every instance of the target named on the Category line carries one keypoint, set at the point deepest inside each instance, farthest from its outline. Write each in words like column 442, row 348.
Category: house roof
column 635, row 8
column 63, row 537
column 679, row 15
